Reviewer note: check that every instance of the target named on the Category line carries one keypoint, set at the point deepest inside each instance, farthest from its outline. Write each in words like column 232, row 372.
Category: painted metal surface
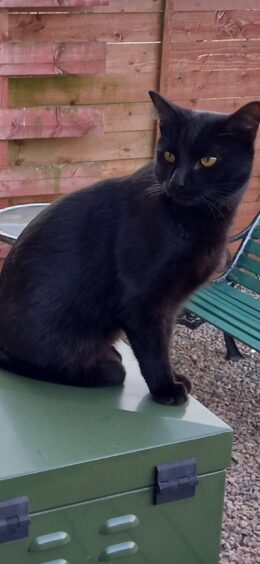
column 86, row 459
column 56, row 440
column 184, row 532
column 13, row 220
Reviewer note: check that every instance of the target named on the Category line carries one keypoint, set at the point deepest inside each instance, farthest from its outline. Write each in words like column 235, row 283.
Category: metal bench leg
column 233, row 352
column 189, row 319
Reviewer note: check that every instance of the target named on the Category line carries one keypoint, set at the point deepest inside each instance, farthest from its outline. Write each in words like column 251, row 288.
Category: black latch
column 14, row 519
column 176, row 480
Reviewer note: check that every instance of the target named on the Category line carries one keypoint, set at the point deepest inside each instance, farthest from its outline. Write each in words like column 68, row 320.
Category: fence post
column 166, row 39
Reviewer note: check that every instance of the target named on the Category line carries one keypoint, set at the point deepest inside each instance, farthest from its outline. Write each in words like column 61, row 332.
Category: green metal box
column 92, row 465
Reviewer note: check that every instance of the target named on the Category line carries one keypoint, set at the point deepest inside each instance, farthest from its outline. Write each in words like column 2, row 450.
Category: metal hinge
column 176, row 480
column 14, row 519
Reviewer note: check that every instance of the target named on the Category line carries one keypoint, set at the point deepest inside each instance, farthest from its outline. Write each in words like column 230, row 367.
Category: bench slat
column 237, row 301
column 225, row 315
column 253, row 248
column 241, row 297
column 249, row 264
column 244, row 279
column 256, row 233
column 235, row 308
column 228, row 312
column 242, row 336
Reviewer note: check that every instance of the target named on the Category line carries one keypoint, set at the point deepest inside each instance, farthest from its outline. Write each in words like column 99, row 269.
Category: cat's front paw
column 184, row 380
column 172, row 394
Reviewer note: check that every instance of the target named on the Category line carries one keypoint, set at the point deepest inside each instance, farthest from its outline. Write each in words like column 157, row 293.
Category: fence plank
column 201, row 26
column 128, row 116
column 85, row 27
column 4, row 250
column 166, row 40
column 252, row 193
column 227, row 105
column 96, row 6
column 256, row 167
column 48, row 57
column 3, row 104
column 30, row 123
column 94, row 89
column 75, row 121
column 3, row 86
column 127, row 144
column 205, row 5
column 139, row 57
column 52, row 3
column 212, row 84
column 207, row 55
column 50, row 179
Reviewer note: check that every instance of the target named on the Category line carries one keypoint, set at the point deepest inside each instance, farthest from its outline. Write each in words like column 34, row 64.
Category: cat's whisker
column 211, row 205
column 155, row 189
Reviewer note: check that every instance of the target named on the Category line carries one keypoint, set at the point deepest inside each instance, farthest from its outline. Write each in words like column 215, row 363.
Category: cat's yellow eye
column 169, row 157
column 208, row 161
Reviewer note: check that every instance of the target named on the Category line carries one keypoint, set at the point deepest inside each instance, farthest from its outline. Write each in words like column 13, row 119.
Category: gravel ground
column 231, row 391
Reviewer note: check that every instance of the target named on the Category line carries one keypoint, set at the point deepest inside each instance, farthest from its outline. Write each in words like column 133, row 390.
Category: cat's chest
column 195, row 262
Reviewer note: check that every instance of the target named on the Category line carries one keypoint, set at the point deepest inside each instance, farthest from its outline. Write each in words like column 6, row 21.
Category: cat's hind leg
column 91, row 363
column 108, row 371
column 95, row 363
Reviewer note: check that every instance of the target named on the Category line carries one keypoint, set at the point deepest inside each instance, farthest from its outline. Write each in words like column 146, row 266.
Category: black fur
column 123, row 255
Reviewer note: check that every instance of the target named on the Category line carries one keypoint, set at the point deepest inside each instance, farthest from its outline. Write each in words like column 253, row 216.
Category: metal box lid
column 61, row 445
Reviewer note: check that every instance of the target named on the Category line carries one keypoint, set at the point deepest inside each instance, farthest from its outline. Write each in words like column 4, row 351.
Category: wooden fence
column 74, row 77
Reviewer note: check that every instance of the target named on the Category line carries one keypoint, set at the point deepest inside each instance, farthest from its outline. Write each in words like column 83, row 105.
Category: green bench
column 225, row 303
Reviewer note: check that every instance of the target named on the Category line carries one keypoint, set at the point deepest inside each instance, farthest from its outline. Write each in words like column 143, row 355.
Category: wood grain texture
column 94, row 6
column 116, row 74
column 128, row 116
column 217, row 24
column 3, row 86
column 4, row 202
column 48, row 179
column 74, row 121
column 216, row 55
column 52, row 3
column 110, row 146
column 134, row 57
column 168, row 23
column 3, row 104
column 49, row 57
column 73, row 90
column 30, row 123
column 227, row 105
column 252, row 193
column 256, row 166
column 4, row 250
column 205, row 5
column 85, row 27
column 181, row 85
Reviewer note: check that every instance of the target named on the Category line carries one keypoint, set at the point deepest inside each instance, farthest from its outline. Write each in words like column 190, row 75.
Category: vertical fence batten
column 74, row 78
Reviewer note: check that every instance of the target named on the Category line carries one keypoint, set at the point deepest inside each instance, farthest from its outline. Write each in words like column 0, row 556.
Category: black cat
column 124, row 254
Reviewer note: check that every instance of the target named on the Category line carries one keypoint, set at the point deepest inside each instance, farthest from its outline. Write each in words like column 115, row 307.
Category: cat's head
column 204, row 156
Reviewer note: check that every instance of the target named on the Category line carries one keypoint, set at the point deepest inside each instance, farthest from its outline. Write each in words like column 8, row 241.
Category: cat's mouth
column 183, row 197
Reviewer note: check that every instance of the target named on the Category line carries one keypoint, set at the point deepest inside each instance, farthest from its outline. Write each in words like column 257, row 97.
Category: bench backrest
column 246, row 268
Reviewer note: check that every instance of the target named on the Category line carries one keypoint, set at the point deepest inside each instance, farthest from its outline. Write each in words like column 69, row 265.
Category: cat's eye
column 169, row 157
column 208, row 161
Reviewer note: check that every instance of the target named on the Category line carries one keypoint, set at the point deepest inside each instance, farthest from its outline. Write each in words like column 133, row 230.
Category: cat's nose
column 178, row 180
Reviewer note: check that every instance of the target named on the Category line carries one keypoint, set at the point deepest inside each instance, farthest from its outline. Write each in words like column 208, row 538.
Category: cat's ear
column 166, row 110
column 246, row 118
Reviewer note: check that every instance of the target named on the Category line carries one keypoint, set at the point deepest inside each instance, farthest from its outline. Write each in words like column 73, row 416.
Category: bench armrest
column 242, row 235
